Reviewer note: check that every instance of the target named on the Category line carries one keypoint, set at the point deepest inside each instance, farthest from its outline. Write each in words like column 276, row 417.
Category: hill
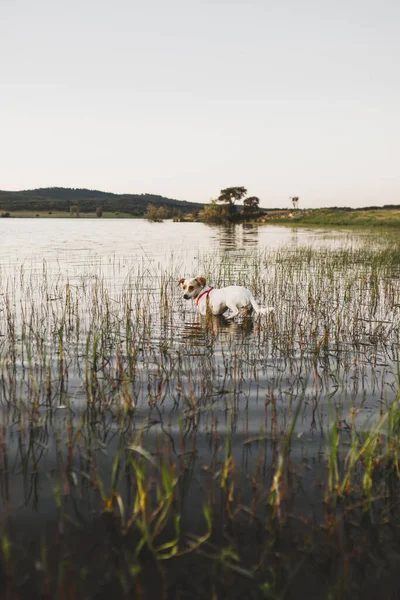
column 61, row 199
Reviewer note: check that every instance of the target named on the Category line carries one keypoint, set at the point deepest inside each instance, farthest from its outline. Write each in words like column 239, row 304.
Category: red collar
column 202, row 294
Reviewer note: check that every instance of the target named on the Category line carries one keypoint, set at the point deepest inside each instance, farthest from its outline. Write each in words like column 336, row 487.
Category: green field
column 328, row 217
column 322, row 217
column 62, row 214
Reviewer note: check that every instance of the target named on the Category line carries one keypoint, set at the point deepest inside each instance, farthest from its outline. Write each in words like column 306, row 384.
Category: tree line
column 62, row 199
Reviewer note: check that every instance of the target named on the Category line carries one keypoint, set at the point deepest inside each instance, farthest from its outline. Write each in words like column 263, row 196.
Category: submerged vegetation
column 146, row 453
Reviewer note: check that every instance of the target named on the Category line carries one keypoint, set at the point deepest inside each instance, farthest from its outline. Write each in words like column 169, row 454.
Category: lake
column 118, row 399
column 73, row 243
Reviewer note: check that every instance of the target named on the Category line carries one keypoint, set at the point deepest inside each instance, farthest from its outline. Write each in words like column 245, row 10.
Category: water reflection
column 206, row 330
column 76, row 246
column 107, row 372
column 235, row 236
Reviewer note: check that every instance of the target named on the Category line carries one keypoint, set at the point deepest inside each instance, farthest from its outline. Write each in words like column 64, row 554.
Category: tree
column 251, row 204
column 223, row 209
column 99, row 212
column 156, row 213
column 295, row 201
column 178, row 216
column 232, row 194
column 214, row 213
column 74, row 210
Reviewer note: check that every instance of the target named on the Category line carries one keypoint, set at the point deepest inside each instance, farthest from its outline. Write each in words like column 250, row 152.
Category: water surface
column 97, row 342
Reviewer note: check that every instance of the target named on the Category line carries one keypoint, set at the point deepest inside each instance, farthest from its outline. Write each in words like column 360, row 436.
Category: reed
column 158, row 443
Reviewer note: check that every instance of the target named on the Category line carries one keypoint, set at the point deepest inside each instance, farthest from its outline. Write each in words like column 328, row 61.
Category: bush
column 214, row 213
column 74, row 210
column 156, row 213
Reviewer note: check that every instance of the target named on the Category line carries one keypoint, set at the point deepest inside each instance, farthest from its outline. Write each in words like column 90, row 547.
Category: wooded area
column 62, row 199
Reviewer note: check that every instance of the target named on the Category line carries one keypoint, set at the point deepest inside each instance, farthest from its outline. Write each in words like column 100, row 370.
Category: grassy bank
column 377, row 218
column 30, row 214
column 325, row 217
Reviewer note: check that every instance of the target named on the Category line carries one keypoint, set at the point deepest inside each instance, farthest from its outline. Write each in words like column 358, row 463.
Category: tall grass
column 153, row 439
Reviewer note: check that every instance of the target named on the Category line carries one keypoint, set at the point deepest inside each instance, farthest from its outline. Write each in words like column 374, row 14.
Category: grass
column 145, row 453
column 325, row 217
column 30, row 214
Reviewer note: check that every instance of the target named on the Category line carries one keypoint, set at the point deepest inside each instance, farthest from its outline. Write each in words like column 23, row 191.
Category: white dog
column 236, row 298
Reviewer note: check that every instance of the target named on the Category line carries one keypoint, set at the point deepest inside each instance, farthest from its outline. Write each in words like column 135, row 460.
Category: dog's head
column 192, row 286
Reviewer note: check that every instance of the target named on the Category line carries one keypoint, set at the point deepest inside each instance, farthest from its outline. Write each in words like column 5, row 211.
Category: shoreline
column 356, row 218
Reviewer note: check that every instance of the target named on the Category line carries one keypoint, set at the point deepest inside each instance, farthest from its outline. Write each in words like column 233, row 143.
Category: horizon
column 238, row 204
column 187, row 99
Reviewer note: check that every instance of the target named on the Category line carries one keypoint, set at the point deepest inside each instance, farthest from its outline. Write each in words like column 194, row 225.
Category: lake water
column 96, row 342
column 67, row 244
column 114, row 256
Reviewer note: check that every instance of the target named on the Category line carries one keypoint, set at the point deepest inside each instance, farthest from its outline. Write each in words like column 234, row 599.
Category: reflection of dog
column 202, row 332
column 237, row 299
column 228, row 329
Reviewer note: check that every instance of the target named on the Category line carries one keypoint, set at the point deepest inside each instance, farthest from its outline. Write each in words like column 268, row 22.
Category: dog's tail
column 260, row 310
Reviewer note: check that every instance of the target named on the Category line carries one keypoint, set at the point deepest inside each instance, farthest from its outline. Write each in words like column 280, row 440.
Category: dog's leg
column 235, row 312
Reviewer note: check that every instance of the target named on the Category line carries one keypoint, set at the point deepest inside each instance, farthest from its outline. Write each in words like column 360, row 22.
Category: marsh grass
column 148, row 453
column 385, row 219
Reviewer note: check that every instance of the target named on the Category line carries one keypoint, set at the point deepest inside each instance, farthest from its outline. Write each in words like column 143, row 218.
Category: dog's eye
column 191, row 288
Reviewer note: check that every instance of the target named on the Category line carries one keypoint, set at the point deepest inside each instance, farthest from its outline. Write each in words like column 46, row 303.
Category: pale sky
column 183, row 98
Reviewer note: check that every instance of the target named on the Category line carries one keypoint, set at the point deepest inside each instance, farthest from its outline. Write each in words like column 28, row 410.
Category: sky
column 186, row 97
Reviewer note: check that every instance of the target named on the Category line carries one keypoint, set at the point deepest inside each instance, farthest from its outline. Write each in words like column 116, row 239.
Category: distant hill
column 61, row 199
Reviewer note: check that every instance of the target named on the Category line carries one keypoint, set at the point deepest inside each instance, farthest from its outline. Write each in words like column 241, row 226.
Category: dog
column 239, row 300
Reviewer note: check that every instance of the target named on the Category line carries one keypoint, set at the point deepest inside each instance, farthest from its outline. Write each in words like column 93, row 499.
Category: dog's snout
column 186, row 296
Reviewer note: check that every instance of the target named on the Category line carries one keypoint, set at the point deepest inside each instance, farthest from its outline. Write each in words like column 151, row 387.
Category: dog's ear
column 181, row 281
column 201, row 280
